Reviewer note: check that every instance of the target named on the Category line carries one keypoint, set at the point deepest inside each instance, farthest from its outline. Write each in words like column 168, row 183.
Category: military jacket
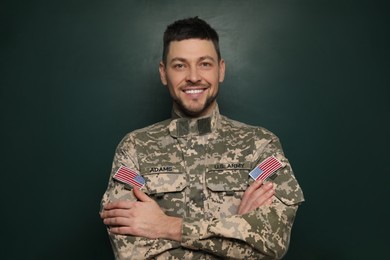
column 197, row 169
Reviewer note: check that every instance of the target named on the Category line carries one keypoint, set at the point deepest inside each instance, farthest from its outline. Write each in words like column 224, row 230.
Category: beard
column 195, row 112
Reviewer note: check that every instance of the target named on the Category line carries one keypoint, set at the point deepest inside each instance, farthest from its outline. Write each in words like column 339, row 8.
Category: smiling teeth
column 194, row 91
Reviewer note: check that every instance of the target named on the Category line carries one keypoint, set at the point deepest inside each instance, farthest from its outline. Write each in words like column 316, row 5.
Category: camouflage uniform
column 197, row 169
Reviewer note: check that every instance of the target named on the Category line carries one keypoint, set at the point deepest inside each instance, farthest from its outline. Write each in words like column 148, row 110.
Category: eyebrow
column 200, row 59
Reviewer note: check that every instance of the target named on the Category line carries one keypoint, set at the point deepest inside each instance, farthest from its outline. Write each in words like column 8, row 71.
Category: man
column 197, row 199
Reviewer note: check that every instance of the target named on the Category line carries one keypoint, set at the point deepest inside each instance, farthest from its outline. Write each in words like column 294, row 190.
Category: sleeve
column 261, row 234
column 126, row 246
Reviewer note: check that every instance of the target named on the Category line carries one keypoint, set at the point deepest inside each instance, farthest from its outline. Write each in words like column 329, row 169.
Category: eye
column 205, row 64
column 178, row 66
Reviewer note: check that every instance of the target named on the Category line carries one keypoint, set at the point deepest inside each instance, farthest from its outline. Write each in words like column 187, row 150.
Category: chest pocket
column 225, row 189
column 166, row 184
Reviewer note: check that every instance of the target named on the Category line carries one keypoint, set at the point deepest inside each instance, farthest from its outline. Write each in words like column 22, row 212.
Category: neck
column 204, row 113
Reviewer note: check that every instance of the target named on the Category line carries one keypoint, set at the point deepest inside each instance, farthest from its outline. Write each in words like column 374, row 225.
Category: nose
column 193, row 75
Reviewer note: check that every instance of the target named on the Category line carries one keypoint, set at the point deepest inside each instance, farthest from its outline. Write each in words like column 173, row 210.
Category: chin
column 196, row 110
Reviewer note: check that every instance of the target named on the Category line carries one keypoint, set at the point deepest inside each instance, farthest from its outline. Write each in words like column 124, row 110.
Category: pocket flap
column 164, row 182
column 227, row 180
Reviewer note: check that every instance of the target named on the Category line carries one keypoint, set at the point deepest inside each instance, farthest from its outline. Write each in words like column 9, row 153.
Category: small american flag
column 265, row 168
column 128, row 176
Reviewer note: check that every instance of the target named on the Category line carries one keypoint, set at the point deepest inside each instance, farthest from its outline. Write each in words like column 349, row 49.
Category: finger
column 256, row 198
column 268, row 202
column 121, row 204
column 262, row 194
column 253, row 187
column 139, row 194
column 252, row 196
column 117, row 221
column 262, row 190
column 243, row 208
column 122, row 230
column 114, row 213
column 263, row 198
column 246, row 198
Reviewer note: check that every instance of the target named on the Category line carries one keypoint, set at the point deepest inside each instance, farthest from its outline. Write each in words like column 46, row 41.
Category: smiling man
column 199, row 185
column 192, row 72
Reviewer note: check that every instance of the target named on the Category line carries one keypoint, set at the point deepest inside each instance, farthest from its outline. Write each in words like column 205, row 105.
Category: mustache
column 192, row 84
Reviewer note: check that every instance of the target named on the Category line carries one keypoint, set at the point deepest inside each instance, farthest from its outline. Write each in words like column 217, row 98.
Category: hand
column 142, row 218
column 257, row 194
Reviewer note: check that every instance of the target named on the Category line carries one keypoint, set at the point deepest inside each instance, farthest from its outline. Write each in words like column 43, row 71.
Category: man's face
column 192, row 73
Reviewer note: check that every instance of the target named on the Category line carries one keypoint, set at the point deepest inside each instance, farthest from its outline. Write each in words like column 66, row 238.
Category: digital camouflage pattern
column 197, row 169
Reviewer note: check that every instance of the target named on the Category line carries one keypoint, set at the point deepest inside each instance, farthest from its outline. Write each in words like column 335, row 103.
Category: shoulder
column 242, row 128
column 149, row 132
column 152, row 129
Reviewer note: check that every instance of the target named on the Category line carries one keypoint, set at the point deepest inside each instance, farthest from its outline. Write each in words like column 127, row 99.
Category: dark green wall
column 77, row 75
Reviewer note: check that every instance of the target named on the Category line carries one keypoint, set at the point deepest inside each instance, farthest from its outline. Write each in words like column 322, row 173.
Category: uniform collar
column 181, row 126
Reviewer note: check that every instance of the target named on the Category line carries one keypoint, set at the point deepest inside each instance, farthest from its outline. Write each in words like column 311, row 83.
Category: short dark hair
column 189, row 28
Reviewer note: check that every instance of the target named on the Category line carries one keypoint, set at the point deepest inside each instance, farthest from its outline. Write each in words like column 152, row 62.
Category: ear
column 221, row 70
column 163, row 75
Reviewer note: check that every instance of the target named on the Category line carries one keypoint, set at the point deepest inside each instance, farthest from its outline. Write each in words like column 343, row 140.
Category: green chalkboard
column 76, row 76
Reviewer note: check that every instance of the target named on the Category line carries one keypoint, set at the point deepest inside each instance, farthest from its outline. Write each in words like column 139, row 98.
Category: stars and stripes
column 129, row 176
column 265, row 168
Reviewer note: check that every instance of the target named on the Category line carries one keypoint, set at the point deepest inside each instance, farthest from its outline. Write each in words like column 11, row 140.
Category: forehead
column 191, row 49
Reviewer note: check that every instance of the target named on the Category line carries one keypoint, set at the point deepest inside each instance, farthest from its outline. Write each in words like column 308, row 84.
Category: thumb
column 139, row 194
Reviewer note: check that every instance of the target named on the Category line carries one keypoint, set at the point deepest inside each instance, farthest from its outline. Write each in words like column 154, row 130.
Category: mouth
column 193, row 91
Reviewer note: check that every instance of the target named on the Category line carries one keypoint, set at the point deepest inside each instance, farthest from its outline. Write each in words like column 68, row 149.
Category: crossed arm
column 144, row 218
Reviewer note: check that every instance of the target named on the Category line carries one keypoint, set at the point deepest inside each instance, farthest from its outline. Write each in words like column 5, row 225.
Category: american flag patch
column 129, row 176
column 265, row 168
